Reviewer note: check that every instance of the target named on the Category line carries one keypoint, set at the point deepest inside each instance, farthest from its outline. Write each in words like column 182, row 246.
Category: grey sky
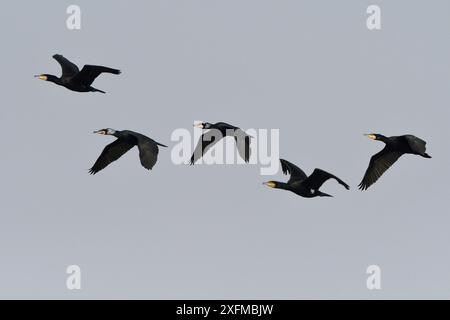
column 309, row 68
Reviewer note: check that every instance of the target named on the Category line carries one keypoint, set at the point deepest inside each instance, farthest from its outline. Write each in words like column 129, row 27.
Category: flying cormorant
column 221, row 130
column 301, row 184
column 394, row 149
column 148, row 148
column 74, row 79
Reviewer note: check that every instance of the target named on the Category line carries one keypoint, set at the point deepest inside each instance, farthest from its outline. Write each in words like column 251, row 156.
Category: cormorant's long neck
column 224, row 128
column 117, row 134
column 214, row 126
column 383, row 138
column 54, row 79
column 282, row 185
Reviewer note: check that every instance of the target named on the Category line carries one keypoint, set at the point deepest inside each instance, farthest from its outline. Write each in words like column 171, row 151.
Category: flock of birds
column 299, row 183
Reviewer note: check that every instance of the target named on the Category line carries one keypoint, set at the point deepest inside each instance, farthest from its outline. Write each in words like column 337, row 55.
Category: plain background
column 309, row 68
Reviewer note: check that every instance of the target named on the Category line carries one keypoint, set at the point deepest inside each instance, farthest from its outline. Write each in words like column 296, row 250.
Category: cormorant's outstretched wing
column 88, row 74
column 69, row 69
column 318, row 177
column 378, row 164
column 296, row 173
column 206, row 141
column 110, row 153
column 148, row 151
column 243, row 144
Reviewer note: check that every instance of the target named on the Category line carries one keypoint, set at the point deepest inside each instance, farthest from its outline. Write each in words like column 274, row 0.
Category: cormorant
column 221, row 129
column 148, row 148
column 394, row 149
column 301, row 184
column 74, row 79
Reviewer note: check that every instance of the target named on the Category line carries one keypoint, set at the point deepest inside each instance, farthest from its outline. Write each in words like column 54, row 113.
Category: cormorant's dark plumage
column 221, row 129
column 148, row 149
column 301, row 184
column 394, row 149
column 74, row 79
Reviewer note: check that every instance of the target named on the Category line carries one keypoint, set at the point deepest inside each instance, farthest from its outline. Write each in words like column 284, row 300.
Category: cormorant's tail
column 160, row 144
column 426, row 155
column 97, row 90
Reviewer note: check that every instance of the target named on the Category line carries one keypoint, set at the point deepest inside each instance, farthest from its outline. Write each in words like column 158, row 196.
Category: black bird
column 394, row 149
column 218, row 131
column 148, row 148
column 301, row 184
column 74, row 79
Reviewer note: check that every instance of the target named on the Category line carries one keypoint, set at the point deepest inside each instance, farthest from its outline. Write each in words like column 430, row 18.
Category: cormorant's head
column 203, row 125
column 374, row 136
column 271, row 184
column 107, row 131
column 47, row 77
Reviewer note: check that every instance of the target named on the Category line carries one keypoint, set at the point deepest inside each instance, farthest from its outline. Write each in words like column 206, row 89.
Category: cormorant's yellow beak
column 100, row 132
column 199, row 125
column 41, row 77
column 371, row 136
column 270, row 184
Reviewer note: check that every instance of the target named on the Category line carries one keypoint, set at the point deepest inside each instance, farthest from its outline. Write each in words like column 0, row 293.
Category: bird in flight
column 395, row 147
column 302, row 185
column 74, row 79
column 148, row 148
column 218, row 131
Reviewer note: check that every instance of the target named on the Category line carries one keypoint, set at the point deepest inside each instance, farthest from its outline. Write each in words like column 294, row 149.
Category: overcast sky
column 309, row 68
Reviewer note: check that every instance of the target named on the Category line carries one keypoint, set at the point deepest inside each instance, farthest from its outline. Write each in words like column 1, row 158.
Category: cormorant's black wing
column 69, row 69
column 378, row 164
column 88, row 74
column 148, row 151
column 296, row 173
column 243, row 144
column 318, row 178
column 110, row 153
column 206, row 141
